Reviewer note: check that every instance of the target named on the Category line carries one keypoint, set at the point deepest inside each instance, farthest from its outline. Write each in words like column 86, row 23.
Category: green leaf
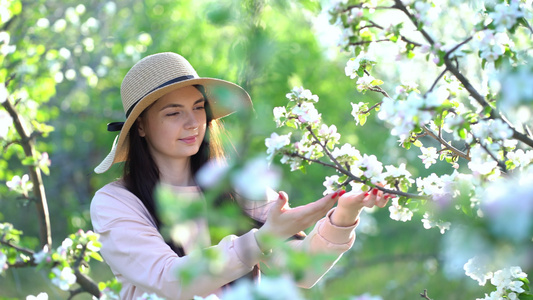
column 418, row 143
column 29, row 161
column 362, row 119
column 96, row 255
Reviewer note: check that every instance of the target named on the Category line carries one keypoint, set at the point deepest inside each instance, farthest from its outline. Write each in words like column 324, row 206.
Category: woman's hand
column 283, row 221
column 350, row 206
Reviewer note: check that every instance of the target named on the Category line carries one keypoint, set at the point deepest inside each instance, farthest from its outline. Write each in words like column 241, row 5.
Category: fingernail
column 342, row 193
column 366, row 194
column 281, row 195
column 334, row 195
column 375, row 191
column 386, row 197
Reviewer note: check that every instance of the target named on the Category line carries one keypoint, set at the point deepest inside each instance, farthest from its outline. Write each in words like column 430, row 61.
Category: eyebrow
column 180, row 105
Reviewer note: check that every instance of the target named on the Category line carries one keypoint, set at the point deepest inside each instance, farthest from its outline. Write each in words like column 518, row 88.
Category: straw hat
column 156, row 75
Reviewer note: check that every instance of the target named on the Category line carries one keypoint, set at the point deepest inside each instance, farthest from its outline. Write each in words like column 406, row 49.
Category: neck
column 176, row 172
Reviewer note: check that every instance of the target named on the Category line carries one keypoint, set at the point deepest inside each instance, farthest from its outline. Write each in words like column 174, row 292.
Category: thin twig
column 425, row 295
column 501, row 164
column 437, row 80
column 20, row 249
column 446, row 145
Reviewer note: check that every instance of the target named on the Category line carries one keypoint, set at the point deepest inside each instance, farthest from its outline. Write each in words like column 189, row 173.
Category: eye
column 199, row 107
column 173, row 114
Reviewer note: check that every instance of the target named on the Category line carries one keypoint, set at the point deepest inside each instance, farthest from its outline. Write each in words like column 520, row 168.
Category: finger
column 383, row 200
column 282, row 202
column 320, row 207
column 370, row 198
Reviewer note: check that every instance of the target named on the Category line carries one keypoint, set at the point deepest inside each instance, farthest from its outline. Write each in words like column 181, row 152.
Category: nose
column 192, row 122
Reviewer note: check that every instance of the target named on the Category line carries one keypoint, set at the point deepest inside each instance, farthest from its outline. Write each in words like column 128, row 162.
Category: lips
column 190, row 139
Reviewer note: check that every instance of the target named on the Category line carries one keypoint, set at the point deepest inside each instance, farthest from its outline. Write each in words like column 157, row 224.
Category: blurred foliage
column 68, row 67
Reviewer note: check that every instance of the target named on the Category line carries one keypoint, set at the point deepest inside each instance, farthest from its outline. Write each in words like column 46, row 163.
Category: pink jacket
column 142, row 261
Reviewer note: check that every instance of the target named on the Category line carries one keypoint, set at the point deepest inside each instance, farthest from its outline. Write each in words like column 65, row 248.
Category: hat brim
column 224, row 98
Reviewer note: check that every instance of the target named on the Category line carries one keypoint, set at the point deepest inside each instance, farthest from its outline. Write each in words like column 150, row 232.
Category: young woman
column 169, row 133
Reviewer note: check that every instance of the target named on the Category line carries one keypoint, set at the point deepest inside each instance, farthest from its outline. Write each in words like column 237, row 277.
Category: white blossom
column 299, row 93
column 397, row 172
column 346, row 153
column 306, row 113
column 429, row 156
column 510, row 216
column 3, row 262
column 481, row 162
column 278, row 288
column 330, row 183
column 41, row 296
column 41, row 255
column 63, row 278
column 429, row 222
column 477, row 269
column 352, row 66
column 5, row 123
column 211, row 173
column 398, row 212
column 371, row 167
column 279, row 112
column 276, row 142
column 505, row 15
column 20, row 184
column 255, row 178
column 516, row 87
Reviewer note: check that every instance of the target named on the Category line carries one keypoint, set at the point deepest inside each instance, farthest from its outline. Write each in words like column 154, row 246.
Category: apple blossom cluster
column 415, row 111
column 510, row 283
column 80, row 244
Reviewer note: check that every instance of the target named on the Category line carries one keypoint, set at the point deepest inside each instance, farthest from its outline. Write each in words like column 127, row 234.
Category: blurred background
column 75, row 55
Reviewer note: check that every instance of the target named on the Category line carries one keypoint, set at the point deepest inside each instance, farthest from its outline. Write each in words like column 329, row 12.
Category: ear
column 140, row 127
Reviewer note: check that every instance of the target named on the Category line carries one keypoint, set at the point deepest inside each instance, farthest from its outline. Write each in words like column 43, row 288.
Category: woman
column 169, row 133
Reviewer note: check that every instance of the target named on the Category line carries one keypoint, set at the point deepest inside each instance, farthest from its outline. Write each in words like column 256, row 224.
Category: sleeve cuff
column 247, row 248
column 336, row 234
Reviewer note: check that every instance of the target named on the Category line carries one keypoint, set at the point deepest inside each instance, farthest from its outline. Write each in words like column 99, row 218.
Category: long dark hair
column 141, row 174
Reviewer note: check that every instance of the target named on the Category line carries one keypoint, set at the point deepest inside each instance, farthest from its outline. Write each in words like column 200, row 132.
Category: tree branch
column 28, row 145
column 86, row 283
column 399, row 5
column 446, row 145
column 20, row 249
column 337, row 166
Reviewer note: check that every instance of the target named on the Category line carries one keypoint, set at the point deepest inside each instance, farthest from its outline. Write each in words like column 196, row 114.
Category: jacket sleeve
column 325, row 238
column 135, row 251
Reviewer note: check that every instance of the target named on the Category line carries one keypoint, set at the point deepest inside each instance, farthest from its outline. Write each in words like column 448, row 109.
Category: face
column 174, row 126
